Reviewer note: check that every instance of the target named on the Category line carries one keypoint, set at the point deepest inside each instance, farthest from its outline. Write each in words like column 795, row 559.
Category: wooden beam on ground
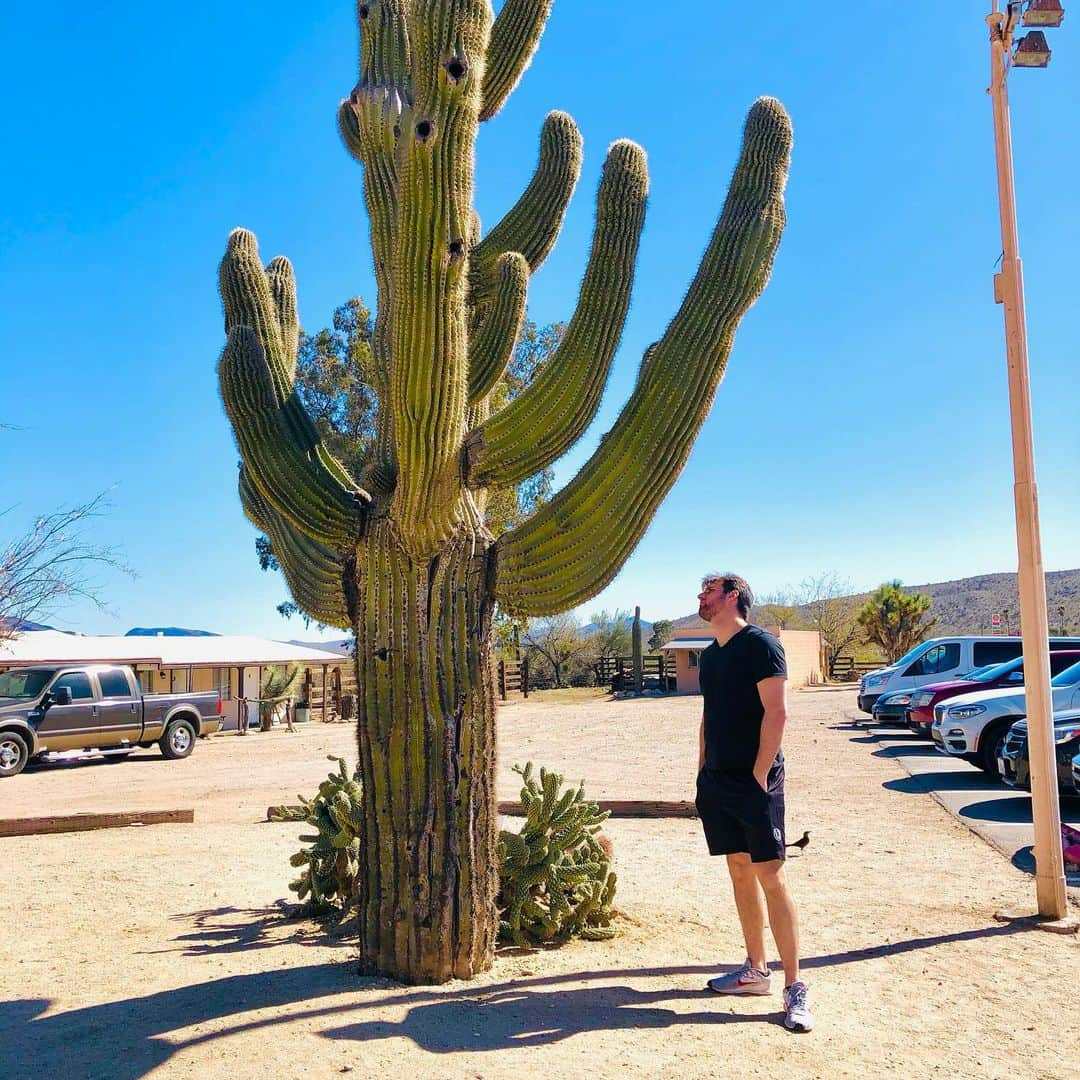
column 634, row 808
column 86, row 822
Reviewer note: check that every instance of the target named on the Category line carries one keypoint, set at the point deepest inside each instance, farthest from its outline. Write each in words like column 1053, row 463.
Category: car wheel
column 990, row 746
column 178, row 740
column 14, row 753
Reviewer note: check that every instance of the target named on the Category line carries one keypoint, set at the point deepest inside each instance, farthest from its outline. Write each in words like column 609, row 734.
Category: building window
column 178, row 681
column 223, row 682
column 693, row 657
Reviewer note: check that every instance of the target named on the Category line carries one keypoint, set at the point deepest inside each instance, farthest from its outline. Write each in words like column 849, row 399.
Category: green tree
column 555, row 643
column 662, row 630
column 404, row 557
column 894, row 620
column 611, row 633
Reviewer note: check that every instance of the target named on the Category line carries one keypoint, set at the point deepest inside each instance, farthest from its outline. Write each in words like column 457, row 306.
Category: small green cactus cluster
column 332, row 860
column 555, row 880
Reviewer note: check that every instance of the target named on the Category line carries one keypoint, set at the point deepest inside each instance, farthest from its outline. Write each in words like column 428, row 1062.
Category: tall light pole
column 1031, row 51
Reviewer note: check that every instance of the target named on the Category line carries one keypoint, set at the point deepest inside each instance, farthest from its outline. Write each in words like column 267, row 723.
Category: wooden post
column 525, row 676
column 324, row 693
column 502, row 680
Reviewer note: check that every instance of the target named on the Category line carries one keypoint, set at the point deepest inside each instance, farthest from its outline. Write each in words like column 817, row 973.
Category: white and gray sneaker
column 797, row 1014
column 747, row 980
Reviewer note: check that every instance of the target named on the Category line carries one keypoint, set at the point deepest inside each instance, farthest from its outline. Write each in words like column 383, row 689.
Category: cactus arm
column 493, row 345
column 312, row 570
column 547, row 418
column 514, row 38
column 279, row 275
column 574, row 546
column 429, row 351
column 295, row 483
column 532, row 225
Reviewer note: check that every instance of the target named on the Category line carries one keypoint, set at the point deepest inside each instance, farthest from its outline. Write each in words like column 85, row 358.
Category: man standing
column 740, row 786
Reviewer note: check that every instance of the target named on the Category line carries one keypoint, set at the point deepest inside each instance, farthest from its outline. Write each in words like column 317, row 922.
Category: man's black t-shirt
column 729, row 676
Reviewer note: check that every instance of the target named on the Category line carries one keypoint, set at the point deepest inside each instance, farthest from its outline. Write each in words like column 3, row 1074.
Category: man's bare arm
column 774, row 699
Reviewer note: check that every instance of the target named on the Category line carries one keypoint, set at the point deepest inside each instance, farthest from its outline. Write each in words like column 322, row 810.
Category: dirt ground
column 163, row 951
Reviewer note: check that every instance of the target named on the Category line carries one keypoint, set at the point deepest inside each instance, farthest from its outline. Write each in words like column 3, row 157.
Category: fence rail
column 513, row 676
column 657, row 672
column 848, row 669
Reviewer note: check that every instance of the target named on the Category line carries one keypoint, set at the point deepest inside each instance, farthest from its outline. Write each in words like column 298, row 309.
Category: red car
column 992, row 677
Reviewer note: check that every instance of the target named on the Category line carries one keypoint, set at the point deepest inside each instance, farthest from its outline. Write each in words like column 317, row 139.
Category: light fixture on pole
column 1034, row 622
column 1044, row 13
column 1032, row 51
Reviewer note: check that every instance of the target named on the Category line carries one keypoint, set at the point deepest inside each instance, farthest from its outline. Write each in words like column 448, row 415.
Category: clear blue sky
column 862, row 427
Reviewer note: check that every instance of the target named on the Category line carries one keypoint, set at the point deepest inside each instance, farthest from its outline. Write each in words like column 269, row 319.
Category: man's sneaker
column 797, row 1014
column 747, row 980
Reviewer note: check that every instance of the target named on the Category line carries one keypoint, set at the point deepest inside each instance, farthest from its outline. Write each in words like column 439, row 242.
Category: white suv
column 974, row 726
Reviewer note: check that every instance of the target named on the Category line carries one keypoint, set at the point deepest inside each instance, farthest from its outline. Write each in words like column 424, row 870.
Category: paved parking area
column 997, row 813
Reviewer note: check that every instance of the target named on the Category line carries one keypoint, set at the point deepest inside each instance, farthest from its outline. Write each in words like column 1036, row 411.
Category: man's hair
column 733, row 583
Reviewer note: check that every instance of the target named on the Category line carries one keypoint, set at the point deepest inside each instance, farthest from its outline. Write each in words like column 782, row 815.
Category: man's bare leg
column 783, row 918
column 750, row 904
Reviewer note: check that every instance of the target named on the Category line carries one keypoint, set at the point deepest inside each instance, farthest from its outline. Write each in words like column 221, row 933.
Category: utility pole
column 1009, row 291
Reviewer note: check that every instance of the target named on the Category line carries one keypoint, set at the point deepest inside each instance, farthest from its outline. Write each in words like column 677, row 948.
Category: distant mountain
column 591, row 628
column 21, row 625
column 168, row 631
column 967, row 605
column 342, row 646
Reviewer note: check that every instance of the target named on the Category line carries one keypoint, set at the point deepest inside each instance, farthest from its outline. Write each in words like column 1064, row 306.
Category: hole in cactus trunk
column 456, row 68
column 457, row 249
column 363, row 11
column 424, row 130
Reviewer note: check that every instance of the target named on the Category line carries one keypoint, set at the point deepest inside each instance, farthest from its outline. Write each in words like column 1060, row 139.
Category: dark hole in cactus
column 424, row 130
column 456, row 68
column 363, row 11
column 381, row 653
column 397, row 131
column 457, row 249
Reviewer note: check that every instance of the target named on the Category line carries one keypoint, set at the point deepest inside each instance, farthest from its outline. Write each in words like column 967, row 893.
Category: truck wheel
column 14, row 753
column 178, row 740
column 990, row 744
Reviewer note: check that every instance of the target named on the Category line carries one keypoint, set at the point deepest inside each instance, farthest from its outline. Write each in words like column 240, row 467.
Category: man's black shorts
column 738, row 816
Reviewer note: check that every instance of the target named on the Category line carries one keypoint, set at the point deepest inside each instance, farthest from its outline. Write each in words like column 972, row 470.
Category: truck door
column 119, row 708
column 74, row 726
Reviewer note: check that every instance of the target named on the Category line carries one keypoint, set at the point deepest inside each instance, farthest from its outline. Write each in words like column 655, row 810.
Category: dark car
column 920, row 708
column 1013, row 762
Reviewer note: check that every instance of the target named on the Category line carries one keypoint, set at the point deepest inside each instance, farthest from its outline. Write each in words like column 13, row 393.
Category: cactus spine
column 401, row 554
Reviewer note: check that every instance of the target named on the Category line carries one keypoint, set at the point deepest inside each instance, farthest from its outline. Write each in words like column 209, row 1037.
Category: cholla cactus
column 401, row 554
column 555, row 880
column 332, row 860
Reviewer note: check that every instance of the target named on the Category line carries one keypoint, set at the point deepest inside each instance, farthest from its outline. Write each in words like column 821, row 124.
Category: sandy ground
column 163, row 951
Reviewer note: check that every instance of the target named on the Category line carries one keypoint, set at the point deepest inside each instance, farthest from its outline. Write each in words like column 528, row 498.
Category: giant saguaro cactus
column 401, row 554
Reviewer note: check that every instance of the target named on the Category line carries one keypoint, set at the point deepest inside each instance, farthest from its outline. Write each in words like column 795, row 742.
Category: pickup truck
column 46, row 711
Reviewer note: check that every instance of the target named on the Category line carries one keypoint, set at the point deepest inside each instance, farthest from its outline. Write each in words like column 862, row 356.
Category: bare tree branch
column 52, row 564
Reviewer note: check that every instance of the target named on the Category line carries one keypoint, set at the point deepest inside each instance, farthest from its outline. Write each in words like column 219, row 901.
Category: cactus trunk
column 426, row 732
column 401, row 553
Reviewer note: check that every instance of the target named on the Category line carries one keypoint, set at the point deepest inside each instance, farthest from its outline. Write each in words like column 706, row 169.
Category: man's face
column 712, row 598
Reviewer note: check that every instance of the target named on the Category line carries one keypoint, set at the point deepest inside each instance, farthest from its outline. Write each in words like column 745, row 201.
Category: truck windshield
column 27, row 683
column 909, row 656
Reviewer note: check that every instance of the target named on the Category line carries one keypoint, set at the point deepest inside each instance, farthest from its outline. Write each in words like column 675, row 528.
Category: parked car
column 1014, row 764
column 920, row 711
column 974, row 726
column 940, row 658
column 45, row 711
column 1076, row 774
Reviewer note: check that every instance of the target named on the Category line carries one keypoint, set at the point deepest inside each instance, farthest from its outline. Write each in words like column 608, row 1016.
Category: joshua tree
column 403, row 558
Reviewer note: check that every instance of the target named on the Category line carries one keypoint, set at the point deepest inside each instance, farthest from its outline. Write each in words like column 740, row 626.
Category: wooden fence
column 848, row 669
column 513, row 678
column 657, row 672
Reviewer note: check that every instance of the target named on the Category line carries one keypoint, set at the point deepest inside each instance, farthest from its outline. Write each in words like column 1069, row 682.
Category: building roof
column 688, row 643
column 51, row 647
